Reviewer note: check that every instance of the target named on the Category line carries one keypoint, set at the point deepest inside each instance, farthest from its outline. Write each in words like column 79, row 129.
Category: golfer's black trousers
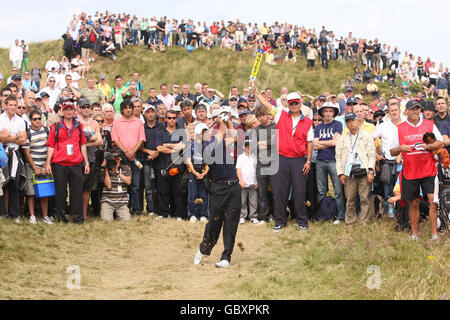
column 224, row 209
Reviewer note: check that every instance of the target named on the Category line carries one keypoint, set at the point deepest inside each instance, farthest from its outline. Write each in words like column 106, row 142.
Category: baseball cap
column 234, row 98
column 44, row 94
column 428, row 105
column 247, row 141
column 16, row 77
column 350, row 116
column 176, row 108
column 294, row 96
column 200, row 127
column 148, row 107
column 83, row 102
column 102, row 77
column 243, row 104
column 225, row 109
column 69, row 103
column 347, row 89
column 411, row 104
column 242, row 112
column 352, row 100
column 322, row 97
column 358, row 96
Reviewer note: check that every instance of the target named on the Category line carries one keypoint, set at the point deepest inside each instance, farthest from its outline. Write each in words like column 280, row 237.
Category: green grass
column 220, row 68
column 150, row 259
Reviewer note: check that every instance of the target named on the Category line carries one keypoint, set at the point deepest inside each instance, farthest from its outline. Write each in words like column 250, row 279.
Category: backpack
column 57, row 133
column 327, row 209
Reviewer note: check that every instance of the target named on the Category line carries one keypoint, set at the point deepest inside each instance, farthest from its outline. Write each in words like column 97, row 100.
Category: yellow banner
column 256, row 65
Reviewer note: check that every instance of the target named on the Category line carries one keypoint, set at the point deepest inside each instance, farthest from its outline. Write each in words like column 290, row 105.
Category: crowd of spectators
column 115, row 143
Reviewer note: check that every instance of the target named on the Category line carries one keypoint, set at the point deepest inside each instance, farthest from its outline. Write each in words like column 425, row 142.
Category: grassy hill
column 151, row 259
column 220, row 68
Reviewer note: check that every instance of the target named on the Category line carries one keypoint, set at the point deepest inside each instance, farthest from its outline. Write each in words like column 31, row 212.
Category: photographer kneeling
column 355, row 163
column 117, row 177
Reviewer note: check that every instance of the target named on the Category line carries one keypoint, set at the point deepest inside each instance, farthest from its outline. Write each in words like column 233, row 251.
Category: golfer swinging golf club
column 224, row 194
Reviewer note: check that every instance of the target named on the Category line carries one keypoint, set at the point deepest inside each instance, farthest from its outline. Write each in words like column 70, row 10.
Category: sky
column 418, row 26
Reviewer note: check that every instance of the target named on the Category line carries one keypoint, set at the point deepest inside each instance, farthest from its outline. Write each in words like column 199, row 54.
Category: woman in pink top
column 108, row 31
column 118, row 34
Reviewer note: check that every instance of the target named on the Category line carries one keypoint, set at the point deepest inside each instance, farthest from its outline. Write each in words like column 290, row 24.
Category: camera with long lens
column 110, row 159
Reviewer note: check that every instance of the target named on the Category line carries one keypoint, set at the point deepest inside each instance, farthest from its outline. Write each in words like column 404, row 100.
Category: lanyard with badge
column 69, row 146
column 119, row 181
column 352, row 156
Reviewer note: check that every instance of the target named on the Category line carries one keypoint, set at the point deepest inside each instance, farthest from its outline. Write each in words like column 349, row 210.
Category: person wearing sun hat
column 326, row 136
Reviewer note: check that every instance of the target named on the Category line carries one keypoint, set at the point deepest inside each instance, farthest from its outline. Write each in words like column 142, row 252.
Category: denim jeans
column 197, row 191
column 134, row 33
column 149, row 185
column 323, row 169
column 135, row 195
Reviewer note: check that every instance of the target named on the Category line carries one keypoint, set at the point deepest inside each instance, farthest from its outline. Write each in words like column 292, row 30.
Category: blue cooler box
column 43, row 186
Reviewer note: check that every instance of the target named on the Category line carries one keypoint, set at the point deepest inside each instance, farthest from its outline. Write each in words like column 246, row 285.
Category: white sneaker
column 198, row 257
column 159, row 217
column 261, row 223
column 32, row 220
column 17, row 220
column 336, row 222
column 47, row 220
column 203, row 219
column 151, row 214
column 179, row 219
column 222, row 264
column 254, row 221
column 435, row 237
column 414, row 237
column 193, row 219
column 241, row 221
column 52, row 219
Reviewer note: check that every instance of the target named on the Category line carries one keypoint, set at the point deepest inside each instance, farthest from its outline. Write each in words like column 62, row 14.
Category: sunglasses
column 21, row 108
column 295, row 103
column 51, row 81
column 85, row 107
column 171, row 118
column 317, row 119
column 35, row 119
column 251, row 100
column 7, row 95
column 100, row 121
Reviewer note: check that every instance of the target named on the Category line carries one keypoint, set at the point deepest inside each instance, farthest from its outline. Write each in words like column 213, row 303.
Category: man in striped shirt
column 35, row 151
column 117, row 178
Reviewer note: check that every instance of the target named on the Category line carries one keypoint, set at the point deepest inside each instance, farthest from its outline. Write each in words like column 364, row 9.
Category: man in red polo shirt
column 419, row 169
column 295, row 136
column 65, row 154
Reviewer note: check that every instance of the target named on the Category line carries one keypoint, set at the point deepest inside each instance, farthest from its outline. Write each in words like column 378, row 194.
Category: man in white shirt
column 16, row 55
column 165, row 97
column 52, row 91
column 52, row 63
column 386, row 131
column 12, row 134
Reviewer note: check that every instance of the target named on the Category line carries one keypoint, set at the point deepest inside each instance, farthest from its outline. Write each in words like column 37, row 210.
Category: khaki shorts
column 107, row 212
column 29, row 189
